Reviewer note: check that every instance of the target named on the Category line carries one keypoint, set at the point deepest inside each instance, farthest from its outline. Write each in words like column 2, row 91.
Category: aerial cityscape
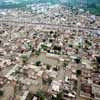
column 49, row 49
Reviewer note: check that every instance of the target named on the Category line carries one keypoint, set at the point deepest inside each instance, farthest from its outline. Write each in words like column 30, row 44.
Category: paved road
column 8, row 93
column 47, row 25
column 61, row 74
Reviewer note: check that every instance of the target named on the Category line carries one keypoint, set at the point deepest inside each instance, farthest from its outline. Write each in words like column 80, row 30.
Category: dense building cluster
column 53, row 55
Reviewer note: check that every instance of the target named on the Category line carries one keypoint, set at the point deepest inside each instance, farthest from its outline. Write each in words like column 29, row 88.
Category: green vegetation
column 38, row 63
column 98, row 64
column 98, row 59
column 17, row 72
column 55, row 68
column 33, row 50
column 70, row 45
column 78, row 60
column 59, row 96
column 24, row 59
column 51, row 32
column 44, row 47
column 30, row 96
column 50, row 40
column 41, row 95
column 30, row 45
column 94, row 9
column 65, row 64
column 38, row 52
column 78, row 73
column 49, row 80
column 88, row 42
column 48, row 66
column 1, row 93
column 57, row 48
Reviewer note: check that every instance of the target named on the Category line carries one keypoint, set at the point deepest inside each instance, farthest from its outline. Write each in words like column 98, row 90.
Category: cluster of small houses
column 52, row 48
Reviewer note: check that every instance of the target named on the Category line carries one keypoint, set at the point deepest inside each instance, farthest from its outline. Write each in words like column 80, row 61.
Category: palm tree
column 78, row 74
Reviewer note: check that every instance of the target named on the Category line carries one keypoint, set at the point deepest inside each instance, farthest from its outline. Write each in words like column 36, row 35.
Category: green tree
column 59, row 96
column 65, row 64
column 51, row 32
column 78, row 74
column 44, row 47
column 24, row 59
column 1, row 93
column 38, row 63
column 48, row 66
column 41, row 95
column 38, row 52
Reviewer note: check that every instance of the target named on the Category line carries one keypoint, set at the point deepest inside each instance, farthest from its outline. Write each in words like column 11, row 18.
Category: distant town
column 51, row 53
